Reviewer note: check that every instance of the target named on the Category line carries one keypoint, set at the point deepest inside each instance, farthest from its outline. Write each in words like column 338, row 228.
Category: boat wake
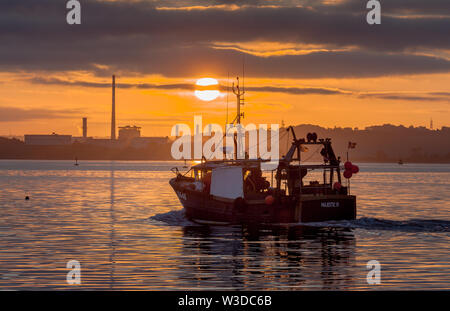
column 173, row 218
column 368, row 223
column 178, row 218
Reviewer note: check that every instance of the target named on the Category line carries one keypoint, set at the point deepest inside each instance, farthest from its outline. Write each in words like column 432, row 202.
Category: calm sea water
column 125, row 226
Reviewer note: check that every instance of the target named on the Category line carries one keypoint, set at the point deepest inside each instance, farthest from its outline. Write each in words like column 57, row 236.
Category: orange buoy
column 348, row 174
column 269, row 200
column 348, row 165
column 337, row 186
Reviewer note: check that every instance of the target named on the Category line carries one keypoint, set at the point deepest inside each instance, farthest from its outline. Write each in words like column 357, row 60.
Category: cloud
column 11, row 114
column 392, row 7
column 56, row 81
column 135, row 37
column 298, row 90
column 403, row 96
column 291, row 24
column 185, row 86
column 198, row 61
column 411, row 96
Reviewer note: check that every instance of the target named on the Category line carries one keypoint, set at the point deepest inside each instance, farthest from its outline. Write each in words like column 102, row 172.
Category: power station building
column 48, row 140
column 129, row 136
column 127, row 133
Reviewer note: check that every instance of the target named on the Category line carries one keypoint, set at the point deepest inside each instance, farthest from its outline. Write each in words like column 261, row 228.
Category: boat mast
column 239, row 101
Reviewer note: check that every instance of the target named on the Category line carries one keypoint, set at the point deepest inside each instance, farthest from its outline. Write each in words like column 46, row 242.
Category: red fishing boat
column 238, row 191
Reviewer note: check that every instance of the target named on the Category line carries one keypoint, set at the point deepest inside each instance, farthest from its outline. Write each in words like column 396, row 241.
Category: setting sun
column 207, row 94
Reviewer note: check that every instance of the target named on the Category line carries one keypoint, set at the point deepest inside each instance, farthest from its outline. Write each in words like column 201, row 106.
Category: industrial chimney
column 84, row 127
column 113, row 112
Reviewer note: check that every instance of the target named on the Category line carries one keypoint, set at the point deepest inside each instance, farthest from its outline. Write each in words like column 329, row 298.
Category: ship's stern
column 317, row 208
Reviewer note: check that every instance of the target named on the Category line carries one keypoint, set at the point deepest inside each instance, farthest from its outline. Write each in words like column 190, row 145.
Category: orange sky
column 158, row 110
column 315, row 62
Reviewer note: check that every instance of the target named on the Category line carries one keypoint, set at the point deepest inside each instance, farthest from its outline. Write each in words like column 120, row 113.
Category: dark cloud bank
column 135, row 37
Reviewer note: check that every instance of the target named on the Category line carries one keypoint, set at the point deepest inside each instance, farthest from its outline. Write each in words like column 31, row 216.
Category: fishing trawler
column 237, row 191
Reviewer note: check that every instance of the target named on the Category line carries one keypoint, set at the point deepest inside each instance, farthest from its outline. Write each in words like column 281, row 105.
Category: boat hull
column 327, row 207
column 204, row 208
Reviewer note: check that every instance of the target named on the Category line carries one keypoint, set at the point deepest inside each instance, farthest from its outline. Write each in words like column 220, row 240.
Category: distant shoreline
column 182, row 161
column 376, row 144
